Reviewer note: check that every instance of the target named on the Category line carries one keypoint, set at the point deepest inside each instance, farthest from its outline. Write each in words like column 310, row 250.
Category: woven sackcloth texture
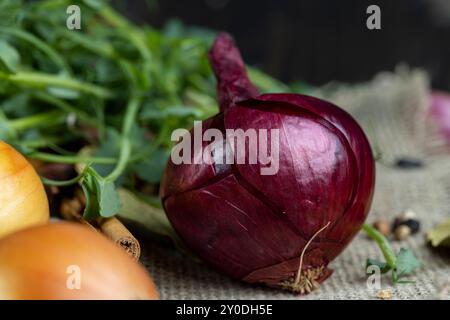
column 392, row 110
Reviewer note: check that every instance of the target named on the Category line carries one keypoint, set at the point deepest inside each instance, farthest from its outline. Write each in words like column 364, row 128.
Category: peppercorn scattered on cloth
column 393, row 110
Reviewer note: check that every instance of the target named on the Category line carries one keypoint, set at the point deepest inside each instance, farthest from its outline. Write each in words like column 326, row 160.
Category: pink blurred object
column 440, row 111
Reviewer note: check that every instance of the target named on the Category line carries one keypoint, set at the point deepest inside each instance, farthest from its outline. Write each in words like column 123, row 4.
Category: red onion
column 440, row 111
column 281, row 230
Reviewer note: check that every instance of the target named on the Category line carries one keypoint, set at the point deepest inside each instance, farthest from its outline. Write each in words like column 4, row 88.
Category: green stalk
column 125, row 150
column 49, row 157
column 40, row 143
column 42, row 80
column 65, row 183
column 74, row 159
column 104, row 49
column 37, row 120
column 383, row 244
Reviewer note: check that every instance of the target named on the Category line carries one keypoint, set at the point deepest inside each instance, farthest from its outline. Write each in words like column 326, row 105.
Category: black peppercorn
column 413, row 224
column 408, row 163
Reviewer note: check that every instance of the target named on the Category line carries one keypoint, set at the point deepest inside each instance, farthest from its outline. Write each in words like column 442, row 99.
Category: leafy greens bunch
column 107, row 96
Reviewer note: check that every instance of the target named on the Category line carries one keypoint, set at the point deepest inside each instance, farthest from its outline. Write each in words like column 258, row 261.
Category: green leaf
column 3, row 70
column 9, row 10
column 9, row 57
column 109, row 200
column 152, row 167
column 406, row 262
column 18, row 105
column 384, row 267
column 6, row 132
column 440, row 235
column 102, row 199
column 109, row 147
column 106, row 72
column 95, row 4
column 91, row 210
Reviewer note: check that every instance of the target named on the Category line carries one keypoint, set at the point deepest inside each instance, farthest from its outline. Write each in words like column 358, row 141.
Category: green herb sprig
column 400, row 265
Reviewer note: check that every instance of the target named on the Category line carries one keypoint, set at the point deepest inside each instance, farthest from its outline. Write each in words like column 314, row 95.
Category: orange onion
column 65, row 260
column 22, row 195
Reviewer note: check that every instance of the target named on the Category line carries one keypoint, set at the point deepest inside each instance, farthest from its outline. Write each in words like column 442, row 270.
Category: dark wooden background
column 320, row 40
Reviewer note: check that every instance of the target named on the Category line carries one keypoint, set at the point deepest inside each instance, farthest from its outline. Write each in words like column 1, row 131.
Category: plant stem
column 125, row 151
column 74, row 159
column 42, row 80
column 49, row 157
column 64, row 183
column 40, row 143
column 383, row 244
column 34, row 121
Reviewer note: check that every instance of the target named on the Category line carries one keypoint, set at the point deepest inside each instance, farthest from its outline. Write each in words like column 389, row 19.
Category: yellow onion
column 23, row 201
column 65, row 260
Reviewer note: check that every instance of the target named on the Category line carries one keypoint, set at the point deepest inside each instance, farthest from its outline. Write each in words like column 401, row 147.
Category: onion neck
column 233, row 84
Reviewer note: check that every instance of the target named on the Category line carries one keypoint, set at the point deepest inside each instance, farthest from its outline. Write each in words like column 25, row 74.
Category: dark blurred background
column 320, row 40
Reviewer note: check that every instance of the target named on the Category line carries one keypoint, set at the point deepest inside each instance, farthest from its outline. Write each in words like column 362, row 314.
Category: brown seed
column 383, row 226
column 385, row 294
column 54, row 189
column 402, row 232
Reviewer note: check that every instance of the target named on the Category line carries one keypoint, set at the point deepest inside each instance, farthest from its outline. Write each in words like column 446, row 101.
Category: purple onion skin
column 254, row 227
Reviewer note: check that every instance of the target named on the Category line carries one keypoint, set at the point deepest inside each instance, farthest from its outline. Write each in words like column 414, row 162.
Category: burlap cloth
column 392, row 110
